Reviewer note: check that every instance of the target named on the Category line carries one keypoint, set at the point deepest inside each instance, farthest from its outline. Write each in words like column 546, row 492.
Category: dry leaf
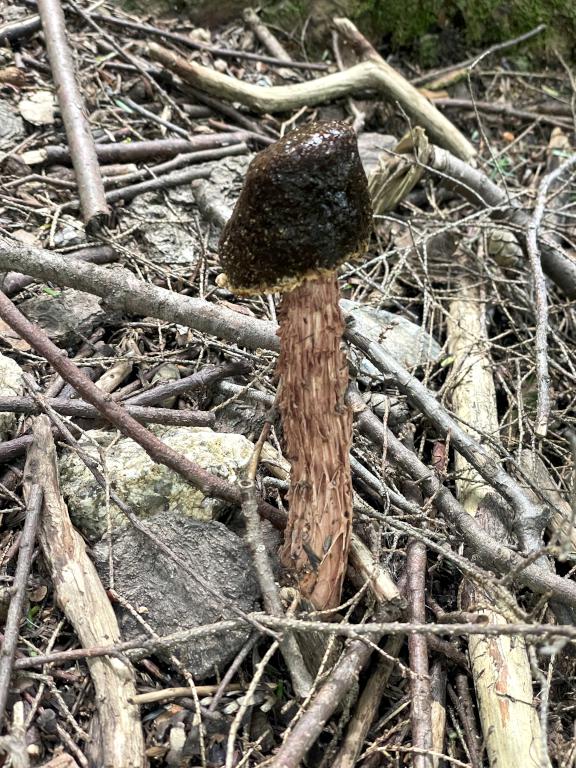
column 13, row 76
column 12, row 338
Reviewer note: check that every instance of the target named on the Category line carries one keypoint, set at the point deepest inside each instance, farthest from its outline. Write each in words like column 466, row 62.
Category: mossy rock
column 433, row 30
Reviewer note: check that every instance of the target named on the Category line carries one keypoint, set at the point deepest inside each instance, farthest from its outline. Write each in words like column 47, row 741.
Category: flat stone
column 68, row 316
column 169, row 599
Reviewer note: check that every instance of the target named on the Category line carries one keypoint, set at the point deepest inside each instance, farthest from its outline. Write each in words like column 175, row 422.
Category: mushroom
column 304, row 209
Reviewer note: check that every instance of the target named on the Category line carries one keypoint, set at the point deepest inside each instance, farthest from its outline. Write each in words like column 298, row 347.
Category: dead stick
column 14, row 282
column 502, row 109
column 95, row 211
column 143, row 646
column 124, row 291
column 10, row 642
column 421, row 697
column 540, row 293
column 78, row 409
column 142, row 151
column 81, row 596
column 380, row 77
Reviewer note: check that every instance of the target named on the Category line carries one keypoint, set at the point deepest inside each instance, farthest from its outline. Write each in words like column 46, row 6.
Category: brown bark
column 318, row 433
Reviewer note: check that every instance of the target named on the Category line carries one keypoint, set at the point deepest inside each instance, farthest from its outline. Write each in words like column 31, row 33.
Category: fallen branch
column 186, row 159
column 379, row 77
column 14, row 282
column 17, row 30
column 266, row 37
column 12, row 623
column 497, row 108
column 140, row 647
column 540, row 295
column 167, row 181
column 122, row 290
column 95, row 211
column 415, row 592
column 83, row 600
column 78, row 409
column 138, row 151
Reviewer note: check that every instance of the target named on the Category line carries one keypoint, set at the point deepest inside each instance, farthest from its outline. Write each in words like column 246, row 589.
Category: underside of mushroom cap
column 304, row 209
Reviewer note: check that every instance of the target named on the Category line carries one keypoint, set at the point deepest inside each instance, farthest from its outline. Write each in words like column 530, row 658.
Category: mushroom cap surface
column 304, row 209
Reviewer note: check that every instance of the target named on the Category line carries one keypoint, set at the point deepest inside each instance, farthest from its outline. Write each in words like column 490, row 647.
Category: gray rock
column 69, row 232
column 410, row 344
column 67, row 317
column 217, row 195
column 169, row 599
column 165, row 239
column 11, row 125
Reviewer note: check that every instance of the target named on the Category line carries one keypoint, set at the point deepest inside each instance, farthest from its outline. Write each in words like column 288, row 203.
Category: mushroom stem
column 318, row 434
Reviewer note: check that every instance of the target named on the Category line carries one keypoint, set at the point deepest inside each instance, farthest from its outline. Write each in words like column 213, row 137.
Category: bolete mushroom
column 305, row 209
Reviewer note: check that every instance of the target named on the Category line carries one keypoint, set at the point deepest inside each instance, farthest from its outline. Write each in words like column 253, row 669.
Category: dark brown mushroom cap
column 303, row 210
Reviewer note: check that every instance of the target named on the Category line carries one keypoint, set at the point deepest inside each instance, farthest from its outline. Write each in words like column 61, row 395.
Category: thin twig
column 474, row 60
column 540, row 295
column 421, row 698
column 8, row 653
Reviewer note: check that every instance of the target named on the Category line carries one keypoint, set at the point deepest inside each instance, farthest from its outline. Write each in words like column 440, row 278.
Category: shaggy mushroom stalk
column 304, row 210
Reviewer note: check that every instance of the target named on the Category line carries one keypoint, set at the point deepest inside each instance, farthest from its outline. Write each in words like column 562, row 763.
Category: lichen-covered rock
column 11, row 385
column 169, row 599
column 147, row 487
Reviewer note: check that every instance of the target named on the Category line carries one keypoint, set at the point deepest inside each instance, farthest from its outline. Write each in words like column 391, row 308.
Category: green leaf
column 51, row 291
